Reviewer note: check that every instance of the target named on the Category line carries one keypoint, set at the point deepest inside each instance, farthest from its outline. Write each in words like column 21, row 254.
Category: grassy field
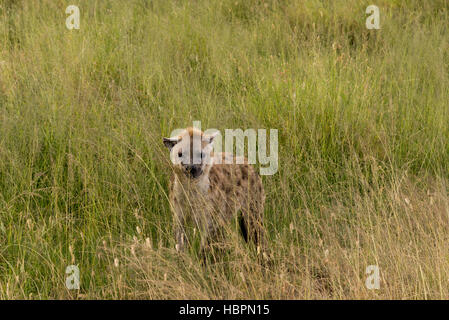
column 363, row 120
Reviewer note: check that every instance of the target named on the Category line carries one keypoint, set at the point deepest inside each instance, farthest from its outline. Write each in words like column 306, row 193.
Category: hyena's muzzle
column 193, row 170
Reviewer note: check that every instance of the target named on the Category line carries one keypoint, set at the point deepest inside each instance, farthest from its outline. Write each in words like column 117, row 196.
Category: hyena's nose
column 193, row 170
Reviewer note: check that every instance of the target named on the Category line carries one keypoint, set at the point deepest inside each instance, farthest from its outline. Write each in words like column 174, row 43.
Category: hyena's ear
column 170, row 142
column 210, row 137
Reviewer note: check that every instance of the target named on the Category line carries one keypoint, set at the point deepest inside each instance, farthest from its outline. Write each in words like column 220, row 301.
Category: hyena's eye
column 180, row 154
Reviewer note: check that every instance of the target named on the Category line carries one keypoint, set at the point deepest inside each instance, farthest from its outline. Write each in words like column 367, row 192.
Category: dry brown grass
column 403, row 229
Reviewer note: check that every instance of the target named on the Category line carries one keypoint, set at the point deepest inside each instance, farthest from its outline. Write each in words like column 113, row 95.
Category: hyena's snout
column 193, row 170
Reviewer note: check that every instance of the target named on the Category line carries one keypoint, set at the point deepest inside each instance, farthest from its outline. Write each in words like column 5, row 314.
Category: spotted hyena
column 211, row 193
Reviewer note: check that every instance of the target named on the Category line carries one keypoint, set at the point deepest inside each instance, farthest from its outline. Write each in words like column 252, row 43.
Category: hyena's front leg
column 180, row 231
column 209, row 235
column 213, row 230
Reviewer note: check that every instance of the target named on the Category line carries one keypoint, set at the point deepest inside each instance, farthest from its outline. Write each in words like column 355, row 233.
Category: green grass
column 363, row 120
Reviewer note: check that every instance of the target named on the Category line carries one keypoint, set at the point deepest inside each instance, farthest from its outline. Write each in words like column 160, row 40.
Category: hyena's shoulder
column 230, row 177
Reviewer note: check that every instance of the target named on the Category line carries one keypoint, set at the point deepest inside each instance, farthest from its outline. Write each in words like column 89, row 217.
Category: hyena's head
column 190, row 152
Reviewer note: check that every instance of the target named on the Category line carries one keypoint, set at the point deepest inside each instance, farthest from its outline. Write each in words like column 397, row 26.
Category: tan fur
column 213, row 199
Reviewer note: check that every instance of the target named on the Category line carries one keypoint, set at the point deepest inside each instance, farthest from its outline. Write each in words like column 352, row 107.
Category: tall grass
column 363, row 124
